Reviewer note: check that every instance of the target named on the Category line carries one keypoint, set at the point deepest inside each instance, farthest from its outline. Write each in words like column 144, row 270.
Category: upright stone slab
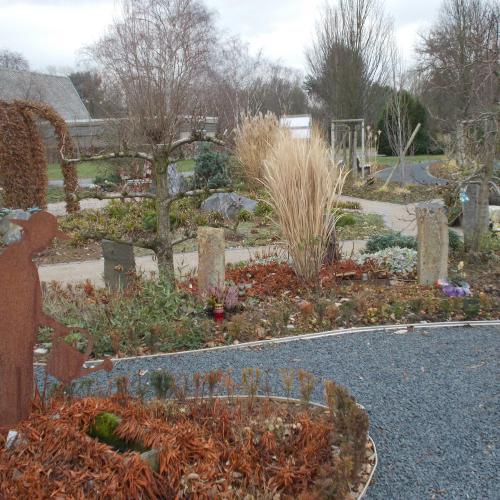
column 475, row 215
column 211, row 257
column 432, row 234
column 119, row 263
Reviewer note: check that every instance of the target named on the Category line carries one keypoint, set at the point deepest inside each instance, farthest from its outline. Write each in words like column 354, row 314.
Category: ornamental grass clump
column 254, row 138
column 304, row 187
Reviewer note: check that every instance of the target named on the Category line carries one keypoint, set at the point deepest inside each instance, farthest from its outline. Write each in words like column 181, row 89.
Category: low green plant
column 263, row 209
column 345, row 219
column 162, row 382
column 490, row 243
column 104, row 428
column 244, row 216
column 455, row 242
column 383, row 241
column 148, row 314
column 348, row 205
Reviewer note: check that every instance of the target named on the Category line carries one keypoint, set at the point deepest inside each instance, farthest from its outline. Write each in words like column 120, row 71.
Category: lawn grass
column 89, row 169
column 86, row 170
column 390, row 161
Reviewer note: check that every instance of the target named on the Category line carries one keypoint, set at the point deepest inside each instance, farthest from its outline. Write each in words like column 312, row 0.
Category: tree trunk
column 476, row 213
column 164, row 250
column 476, row 210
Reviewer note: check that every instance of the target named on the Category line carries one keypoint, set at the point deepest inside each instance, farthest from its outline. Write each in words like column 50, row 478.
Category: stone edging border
column 306, row 336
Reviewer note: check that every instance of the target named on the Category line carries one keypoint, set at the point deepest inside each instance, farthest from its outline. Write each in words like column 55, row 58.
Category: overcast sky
column 50, row 32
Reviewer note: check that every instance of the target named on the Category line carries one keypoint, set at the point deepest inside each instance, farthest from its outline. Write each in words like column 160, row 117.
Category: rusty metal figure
column 21, row 314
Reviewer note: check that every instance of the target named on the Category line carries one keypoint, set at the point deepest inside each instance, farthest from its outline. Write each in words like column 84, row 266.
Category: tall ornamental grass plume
column 254, row 138
column 304, row 186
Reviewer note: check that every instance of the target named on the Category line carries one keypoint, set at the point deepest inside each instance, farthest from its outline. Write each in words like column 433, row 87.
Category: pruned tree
column 13, row 60
column 23, row 162
column 349, row 60
column 156, row 54
column 458, row 58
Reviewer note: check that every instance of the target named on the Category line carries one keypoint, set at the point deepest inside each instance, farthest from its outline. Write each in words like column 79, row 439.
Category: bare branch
column 187, row 237
column 99, row 195
column 110, row 156
column 196, row 137
column 197, row 192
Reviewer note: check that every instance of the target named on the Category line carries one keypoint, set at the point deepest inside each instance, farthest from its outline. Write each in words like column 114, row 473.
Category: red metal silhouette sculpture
column 21, row 314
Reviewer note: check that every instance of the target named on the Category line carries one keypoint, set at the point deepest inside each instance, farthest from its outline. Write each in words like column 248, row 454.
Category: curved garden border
column 307, row 336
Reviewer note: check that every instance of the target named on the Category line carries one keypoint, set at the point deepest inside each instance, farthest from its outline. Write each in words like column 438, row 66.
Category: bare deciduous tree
column 458, row 61
column 350, row 59
column 13, row 60
column 156, row 54
column 240, row 84
column 397, row 119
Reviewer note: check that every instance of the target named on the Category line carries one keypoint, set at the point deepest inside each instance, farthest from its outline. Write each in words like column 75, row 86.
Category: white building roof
column 300, row 125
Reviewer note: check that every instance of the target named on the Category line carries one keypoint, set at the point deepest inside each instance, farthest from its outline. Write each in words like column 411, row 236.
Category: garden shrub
column 211, row 169
column 104, row 428
column 381, row 242
column 23, row 163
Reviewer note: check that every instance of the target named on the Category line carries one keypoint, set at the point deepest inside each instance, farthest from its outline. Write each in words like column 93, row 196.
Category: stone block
column 211, row 258
column 119, row 263
column 432, row 242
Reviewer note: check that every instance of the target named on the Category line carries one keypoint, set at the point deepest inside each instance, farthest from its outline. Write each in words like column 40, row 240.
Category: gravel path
column 432, row 397
column 416, row 173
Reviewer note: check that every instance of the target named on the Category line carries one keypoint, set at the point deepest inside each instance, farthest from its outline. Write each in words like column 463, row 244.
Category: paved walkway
column 396, row 216
column 431, row 395
column 415, row 173
column 58, row 209
column 184, row 263
column 83, row 183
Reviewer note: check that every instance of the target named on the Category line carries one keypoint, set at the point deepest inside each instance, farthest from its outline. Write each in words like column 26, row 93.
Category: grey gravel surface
column 416, row 173
column 431, row 394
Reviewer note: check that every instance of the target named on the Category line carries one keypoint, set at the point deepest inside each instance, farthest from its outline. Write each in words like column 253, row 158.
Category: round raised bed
column 371, row 449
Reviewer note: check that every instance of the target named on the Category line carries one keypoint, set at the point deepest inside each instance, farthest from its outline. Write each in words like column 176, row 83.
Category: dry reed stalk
column 254, row 138
column 304, row 187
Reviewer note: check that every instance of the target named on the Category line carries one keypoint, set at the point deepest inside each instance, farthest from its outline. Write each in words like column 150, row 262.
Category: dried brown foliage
column 209, row 448
column 23, row 164
column 254, row 138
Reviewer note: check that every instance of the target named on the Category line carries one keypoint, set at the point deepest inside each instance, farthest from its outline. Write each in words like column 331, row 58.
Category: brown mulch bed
column 64, row 251
column 276, row 278
column 208, row 448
